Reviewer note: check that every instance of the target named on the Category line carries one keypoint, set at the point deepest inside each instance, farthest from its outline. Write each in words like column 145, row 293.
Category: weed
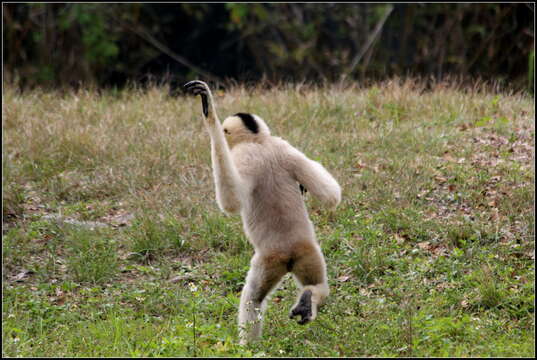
column 92, row 257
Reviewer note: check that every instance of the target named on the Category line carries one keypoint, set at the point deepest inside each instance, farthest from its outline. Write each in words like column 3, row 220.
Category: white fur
column 259, row 177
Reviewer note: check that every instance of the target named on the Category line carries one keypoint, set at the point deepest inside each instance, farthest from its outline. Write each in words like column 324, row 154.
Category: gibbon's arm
column 315, row 178
column 228, row 183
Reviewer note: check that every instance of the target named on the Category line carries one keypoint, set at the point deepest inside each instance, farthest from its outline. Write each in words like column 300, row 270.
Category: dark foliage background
column 57, row 45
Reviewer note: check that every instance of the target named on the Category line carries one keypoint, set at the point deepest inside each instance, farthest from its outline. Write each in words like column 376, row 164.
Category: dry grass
column 438, row 184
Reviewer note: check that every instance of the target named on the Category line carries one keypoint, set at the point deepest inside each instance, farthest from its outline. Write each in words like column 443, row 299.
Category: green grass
column 431, row 252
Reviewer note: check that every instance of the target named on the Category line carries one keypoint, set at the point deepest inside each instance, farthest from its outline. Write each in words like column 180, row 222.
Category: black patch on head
column 303, row 189
column 249, row 121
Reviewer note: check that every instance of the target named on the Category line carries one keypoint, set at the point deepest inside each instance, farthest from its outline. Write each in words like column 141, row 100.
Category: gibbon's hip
column 268, row 235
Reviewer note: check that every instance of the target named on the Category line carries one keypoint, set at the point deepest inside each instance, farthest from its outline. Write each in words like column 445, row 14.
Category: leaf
column 21, row 277
column 448, row 157
column 424, row 245
column 179, row 278
column 59, row 299
column 422, row 193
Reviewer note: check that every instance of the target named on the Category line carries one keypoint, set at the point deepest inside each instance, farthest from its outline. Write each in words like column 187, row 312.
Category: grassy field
column 113, row 244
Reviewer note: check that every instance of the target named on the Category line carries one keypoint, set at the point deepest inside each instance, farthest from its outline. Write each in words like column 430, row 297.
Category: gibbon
column 262, row 177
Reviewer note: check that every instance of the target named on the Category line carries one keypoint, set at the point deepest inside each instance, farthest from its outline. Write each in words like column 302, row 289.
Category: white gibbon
column 262, row 177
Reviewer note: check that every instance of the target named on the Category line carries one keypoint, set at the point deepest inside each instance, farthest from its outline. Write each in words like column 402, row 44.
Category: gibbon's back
column 275, row 192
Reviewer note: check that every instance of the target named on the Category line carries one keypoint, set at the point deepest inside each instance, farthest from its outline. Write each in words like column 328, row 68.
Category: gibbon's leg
column 310, row 273
column 263, row 276
column 229, row 185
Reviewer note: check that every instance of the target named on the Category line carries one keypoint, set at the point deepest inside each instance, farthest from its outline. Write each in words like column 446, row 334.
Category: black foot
column 303, row 308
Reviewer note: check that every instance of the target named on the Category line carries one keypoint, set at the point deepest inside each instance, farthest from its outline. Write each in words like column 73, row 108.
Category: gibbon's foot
column 197, row 87
column 303, row 308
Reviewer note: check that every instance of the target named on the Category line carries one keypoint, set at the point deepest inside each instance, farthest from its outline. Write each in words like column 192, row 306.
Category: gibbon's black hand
column 197, row 87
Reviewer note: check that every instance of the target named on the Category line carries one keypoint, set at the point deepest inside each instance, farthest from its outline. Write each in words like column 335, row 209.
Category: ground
column 113, row 244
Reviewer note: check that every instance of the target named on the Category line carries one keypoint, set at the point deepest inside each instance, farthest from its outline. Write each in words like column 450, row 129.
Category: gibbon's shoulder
column 284, row 148
column 267, row 146
column 271, row 149
column 286, row 154
column 280, row 144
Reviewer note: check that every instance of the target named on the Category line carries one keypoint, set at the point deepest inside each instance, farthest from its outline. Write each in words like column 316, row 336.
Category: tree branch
column 180, row 59
column 370, row 40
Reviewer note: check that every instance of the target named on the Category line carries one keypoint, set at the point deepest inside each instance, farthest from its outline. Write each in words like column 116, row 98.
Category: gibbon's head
column 243, row 127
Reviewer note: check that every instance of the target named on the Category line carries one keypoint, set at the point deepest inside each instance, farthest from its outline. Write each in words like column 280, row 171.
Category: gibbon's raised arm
column 315, row 178
column 228, row 182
